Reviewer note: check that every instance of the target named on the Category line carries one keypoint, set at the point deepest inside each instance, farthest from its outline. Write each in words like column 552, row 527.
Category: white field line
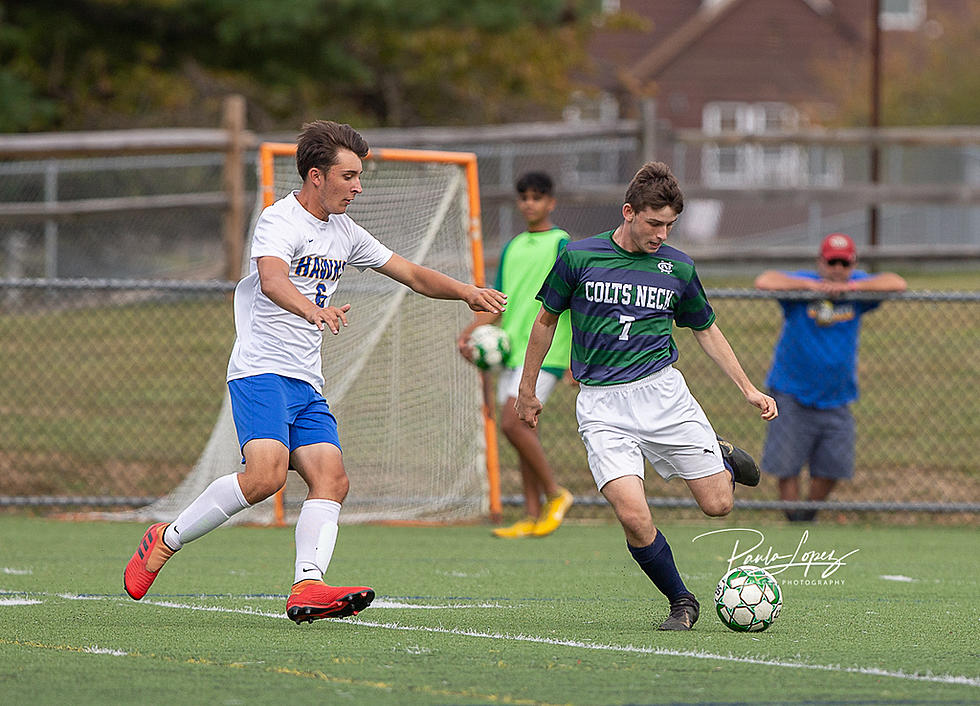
column 210, row 608
column 18, row 601
column 632, row 649
column 252, row 611
column 382, row 603
column 378, row 603
column 659, row 651
column 96, row 650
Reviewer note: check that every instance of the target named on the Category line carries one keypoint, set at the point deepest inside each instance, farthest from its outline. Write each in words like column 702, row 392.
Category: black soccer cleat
column 801, row 515
column 684, row 612
column 744, row 468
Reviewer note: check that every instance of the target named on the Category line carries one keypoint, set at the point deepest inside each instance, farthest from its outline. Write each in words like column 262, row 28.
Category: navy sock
column 657, row 562
column 731, row 471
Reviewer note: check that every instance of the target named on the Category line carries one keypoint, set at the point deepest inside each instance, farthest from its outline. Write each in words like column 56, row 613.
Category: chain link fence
column 111, row 389
column 110, row 386
column 917, row 416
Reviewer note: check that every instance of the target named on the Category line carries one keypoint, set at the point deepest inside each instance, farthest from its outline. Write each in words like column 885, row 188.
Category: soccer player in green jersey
column 625, row 289
column 524, row 262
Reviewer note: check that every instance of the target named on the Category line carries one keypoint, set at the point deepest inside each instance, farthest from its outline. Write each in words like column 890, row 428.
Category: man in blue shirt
column 814, row 371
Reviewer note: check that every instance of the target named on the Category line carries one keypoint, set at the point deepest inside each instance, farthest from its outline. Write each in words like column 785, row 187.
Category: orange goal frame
column 268, row 151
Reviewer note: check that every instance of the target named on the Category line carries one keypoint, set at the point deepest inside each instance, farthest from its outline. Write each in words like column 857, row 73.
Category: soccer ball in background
column 748, row 599
column 490, row 346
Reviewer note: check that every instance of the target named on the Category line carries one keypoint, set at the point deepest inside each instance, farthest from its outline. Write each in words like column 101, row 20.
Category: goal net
column 407, row 404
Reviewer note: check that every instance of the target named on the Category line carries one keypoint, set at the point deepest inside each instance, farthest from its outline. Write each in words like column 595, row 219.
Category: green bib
column 524, row 263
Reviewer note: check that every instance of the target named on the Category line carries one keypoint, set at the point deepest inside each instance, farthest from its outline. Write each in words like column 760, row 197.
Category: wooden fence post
column 648, row 129
column 233, row 121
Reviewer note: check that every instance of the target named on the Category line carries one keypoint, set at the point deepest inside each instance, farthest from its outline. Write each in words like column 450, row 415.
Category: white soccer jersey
column 269, row 338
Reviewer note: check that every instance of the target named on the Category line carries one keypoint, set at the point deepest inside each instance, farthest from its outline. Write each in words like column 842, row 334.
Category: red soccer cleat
column 150, row 556
column 311, row 600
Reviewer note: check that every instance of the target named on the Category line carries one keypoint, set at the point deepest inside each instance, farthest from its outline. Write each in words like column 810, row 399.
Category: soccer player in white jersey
column 626, row 288
column 300, row 248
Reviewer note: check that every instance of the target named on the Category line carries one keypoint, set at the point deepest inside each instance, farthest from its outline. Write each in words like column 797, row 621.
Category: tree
column 119, row 63
column 928, row 78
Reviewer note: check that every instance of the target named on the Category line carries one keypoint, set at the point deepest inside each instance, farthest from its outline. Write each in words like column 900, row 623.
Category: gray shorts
column 821, row 438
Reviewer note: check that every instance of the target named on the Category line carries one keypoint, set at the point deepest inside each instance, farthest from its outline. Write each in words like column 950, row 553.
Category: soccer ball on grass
column 748, row 599
column 490, row 346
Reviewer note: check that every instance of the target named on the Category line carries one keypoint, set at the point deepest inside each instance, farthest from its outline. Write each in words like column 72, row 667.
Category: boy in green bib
column 524, row 262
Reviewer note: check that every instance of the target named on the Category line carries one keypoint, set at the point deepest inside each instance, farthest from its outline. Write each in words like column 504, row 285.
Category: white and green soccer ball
column 748, row 599
column 490, row 346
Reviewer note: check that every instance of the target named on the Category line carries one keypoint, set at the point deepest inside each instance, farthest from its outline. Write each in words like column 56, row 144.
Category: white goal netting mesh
column 408, row 406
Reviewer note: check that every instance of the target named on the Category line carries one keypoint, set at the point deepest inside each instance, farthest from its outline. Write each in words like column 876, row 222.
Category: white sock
column 316, row 535
column 219, row 501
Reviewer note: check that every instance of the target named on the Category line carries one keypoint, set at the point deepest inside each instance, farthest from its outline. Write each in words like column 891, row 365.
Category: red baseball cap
column 838, row 246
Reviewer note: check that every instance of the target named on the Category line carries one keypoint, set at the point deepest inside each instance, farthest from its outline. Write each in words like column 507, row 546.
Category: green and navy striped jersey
column 623, row 306
column 524, row 262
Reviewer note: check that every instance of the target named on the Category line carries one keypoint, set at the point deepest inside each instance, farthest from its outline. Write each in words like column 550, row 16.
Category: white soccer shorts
column 656, row 418
column 509, row 381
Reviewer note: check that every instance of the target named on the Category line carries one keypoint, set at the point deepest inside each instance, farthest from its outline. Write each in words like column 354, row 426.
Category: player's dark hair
column 654, row 186
column 319, row 142
column 535, row 181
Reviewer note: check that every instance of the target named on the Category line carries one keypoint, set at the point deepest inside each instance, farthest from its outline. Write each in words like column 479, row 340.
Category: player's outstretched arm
column 716, row 347
column 437, row 285
column 528, row 406
column 275, row 283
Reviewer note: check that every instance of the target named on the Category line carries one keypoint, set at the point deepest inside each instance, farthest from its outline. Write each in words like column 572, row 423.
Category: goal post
column 416, row 421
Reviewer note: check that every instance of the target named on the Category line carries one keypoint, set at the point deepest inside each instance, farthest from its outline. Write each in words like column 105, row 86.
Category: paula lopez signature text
column 776, row 563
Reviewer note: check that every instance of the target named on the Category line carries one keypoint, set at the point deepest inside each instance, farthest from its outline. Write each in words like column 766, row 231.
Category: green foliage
column 942, row 85
column 21, row 105
column 105, row 63
column 927, row 77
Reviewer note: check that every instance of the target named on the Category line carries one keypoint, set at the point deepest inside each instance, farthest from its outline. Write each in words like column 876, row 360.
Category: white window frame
column 726, row 165
column 824, row 166
column 751, row 165
column 907, row 19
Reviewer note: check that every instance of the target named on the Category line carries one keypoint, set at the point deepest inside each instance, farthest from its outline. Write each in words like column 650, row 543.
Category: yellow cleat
column 521, row 528
column 553, row 513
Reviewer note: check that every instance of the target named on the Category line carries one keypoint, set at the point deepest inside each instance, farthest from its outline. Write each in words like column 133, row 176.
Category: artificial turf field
column 463, row 618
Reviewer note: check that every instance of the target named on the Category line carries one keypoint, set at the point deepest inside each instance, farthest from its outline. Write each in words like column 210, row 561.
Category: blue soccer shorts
column 291, row 411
